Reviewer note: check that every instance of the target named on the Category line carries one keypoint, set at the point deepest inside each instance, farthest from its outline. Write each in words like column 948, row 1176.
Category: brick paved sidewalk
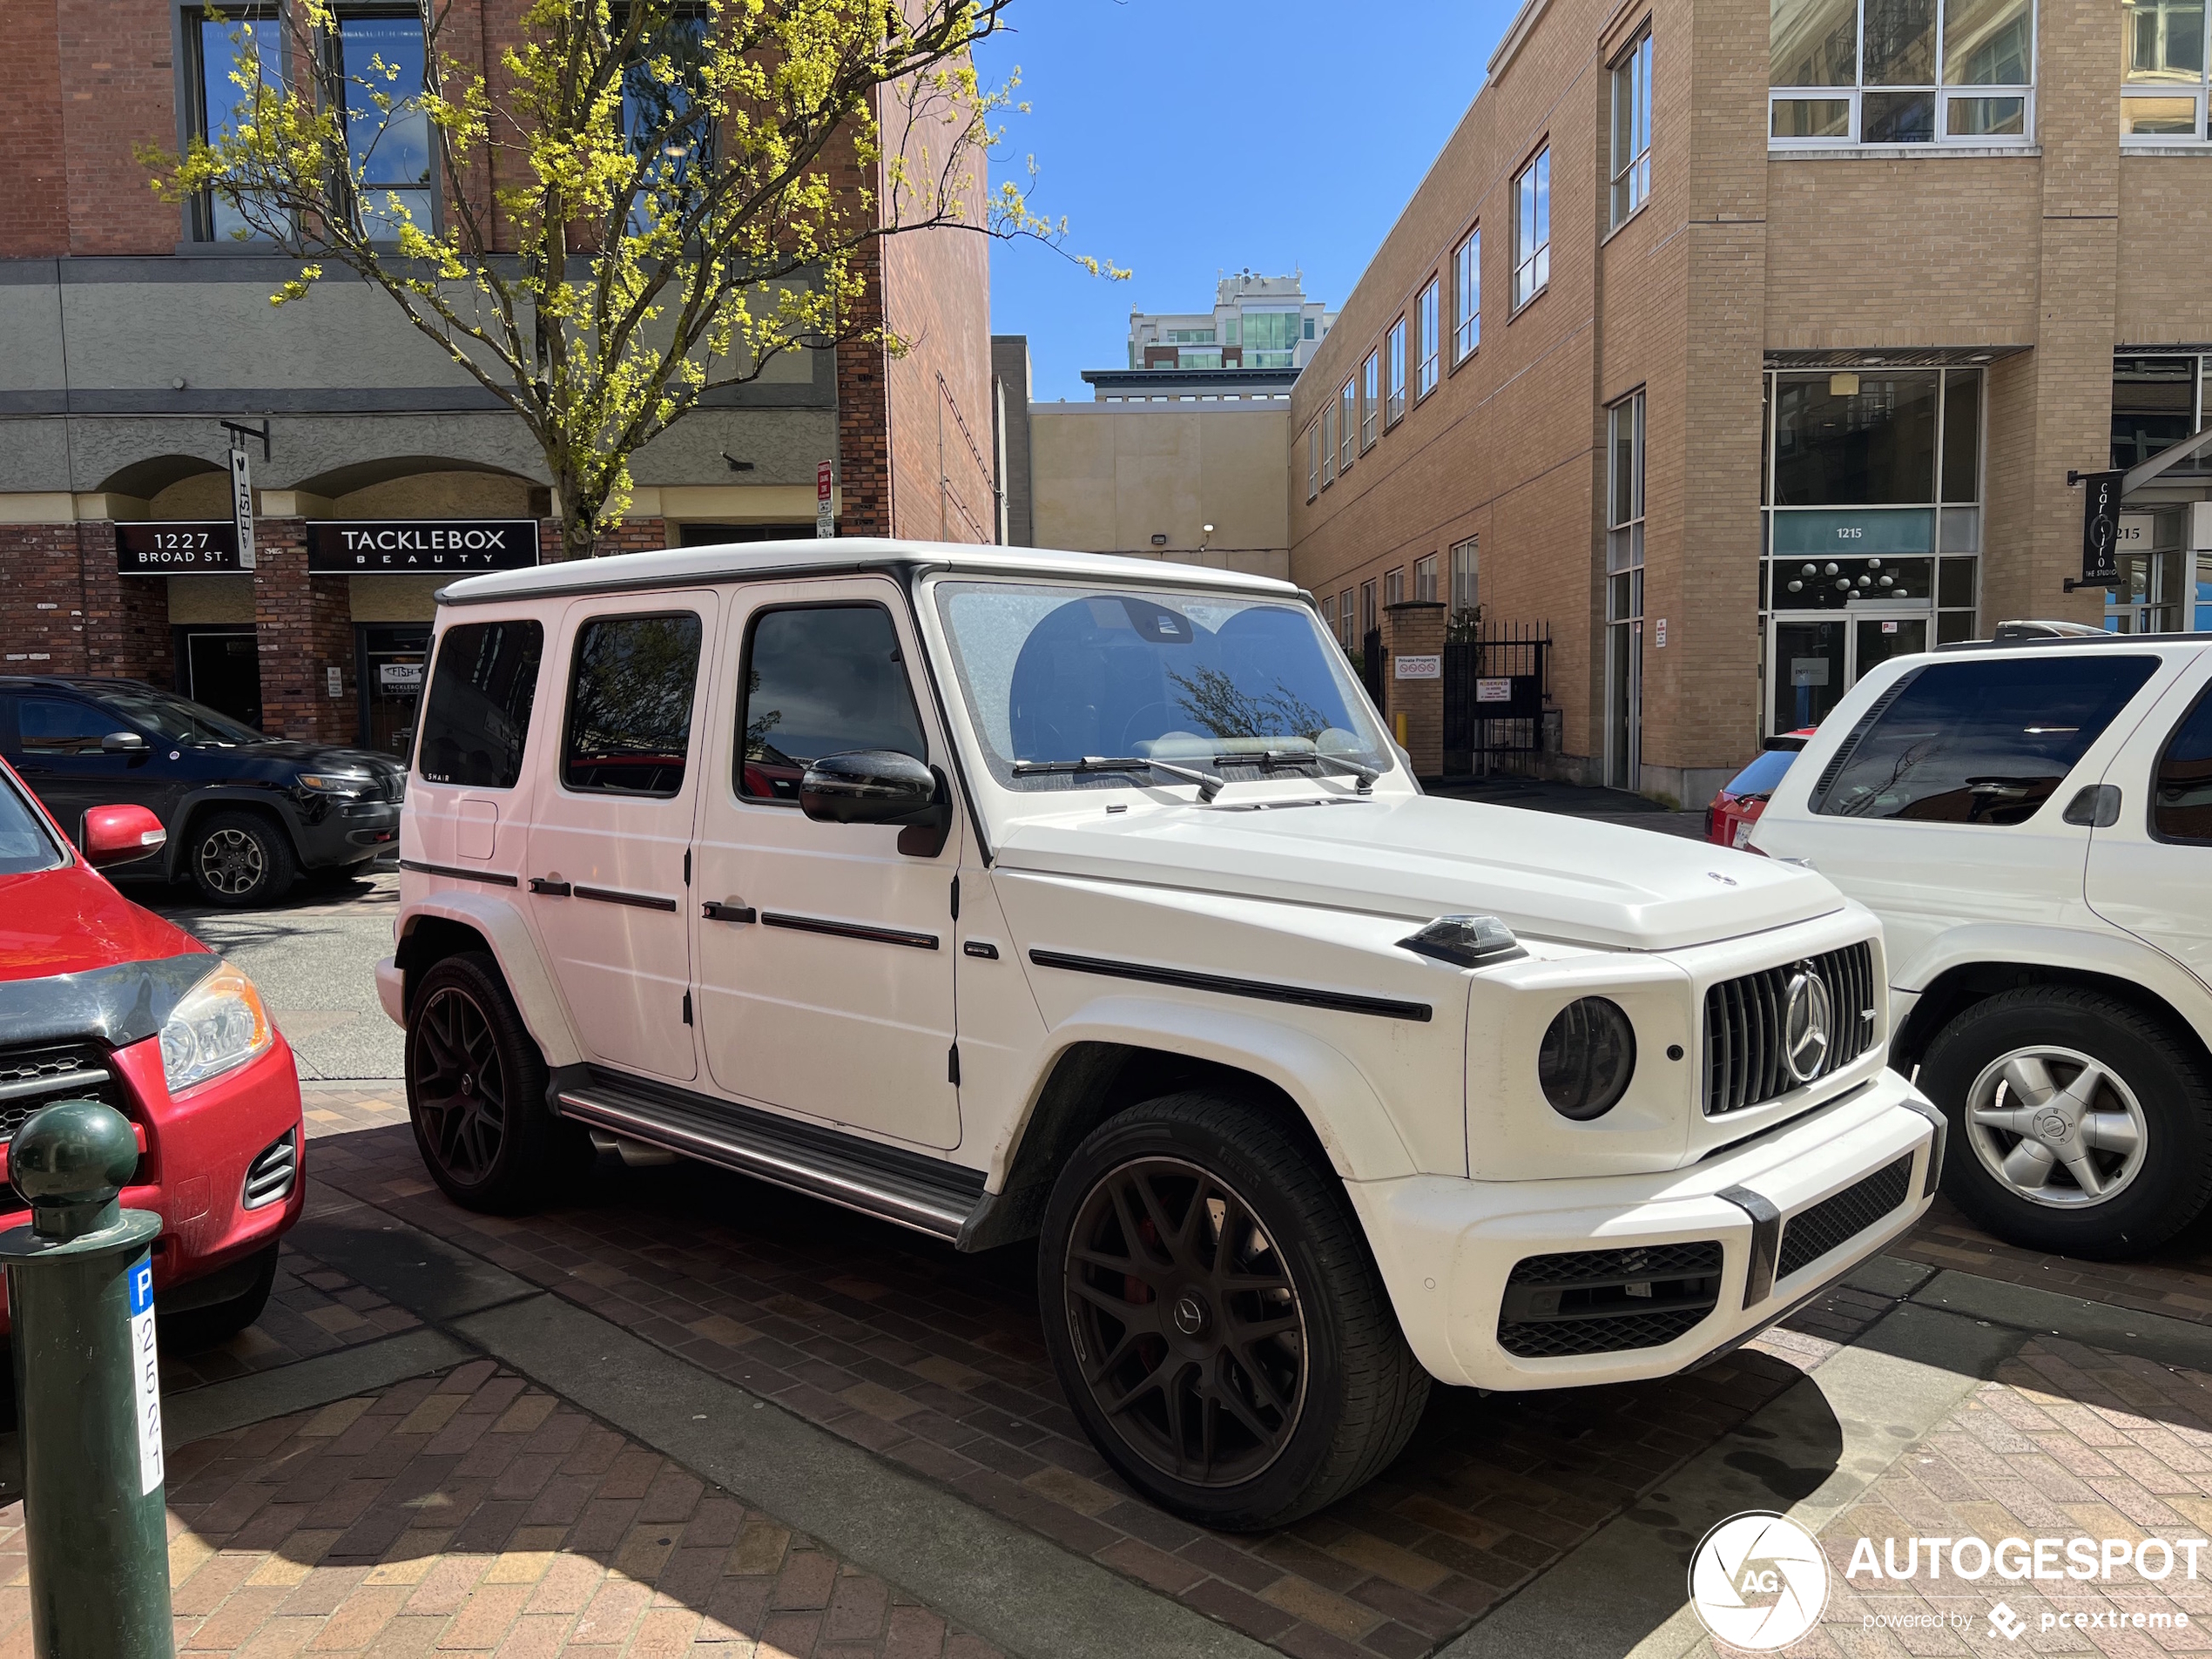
column 476, row 1515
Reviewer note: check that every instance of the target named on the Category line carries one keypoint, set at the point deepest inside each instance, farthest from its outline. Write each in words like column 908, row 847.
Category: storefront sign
column 1808, row 671
column 400, row 677
column 1837, row 533
column 175, row 548
column 2100, row 525
column 825, row 515
column 419, row 546
column 1420, row 668
column 242, row 505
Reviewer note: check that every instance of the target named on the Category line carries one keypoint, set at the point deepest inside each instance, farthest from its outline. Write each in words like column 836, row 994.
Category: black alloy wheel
column 1186, row 1321
column 475, row 1093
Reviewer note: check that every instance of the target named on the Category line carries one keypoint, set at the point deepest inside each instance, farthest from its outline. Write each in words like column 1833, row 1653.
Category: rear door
column 606, row 883
column 825, row 950
column 2150, row 868
column 59, row 754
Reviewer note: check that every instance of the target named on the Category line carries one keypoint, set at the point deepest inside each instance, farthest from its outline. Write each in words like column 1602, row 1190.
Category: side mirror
column 119, row 834
column 880, row 786
column 123, row 742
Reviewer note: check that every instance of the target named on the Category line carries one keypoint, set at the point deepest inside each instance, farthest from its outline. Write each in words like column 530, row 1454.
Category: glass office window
column 1425, row 579
column 243, row 46
column 382, row 60
column 1466, row 297
column 1431, row 313
column 1901, row 71
column 1632, row 129
column 1532, row 233
column 1394, row 372
column 2164, row 89
column 1370, row 399
column 1347, row 424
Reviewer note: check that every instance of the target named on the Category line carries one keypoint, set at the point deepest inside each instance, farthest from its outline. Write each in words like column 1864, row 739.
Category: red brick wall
column 127, row 619
column 119, row 89
column 42, row 601
column 863, row 417
column 306, row 628
column 33, row 203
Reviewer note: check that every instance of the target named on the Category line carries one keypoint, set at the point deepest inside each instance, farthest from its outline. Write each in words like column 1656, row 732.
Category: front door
column 2150, row 869
column 609, row 846
column 1813, row 659
column 223, row 671
column 389, row 662
column 825, row 950
column 58, row 751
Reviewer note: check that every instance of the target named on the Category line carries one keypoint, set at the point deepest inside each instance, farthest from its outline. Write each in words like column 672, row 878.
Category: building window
column 381, row 55
column 1370, row 399
column 1467, row 592
column 1314, row 461
column 1189, row 336
column 1328, row 445
column 1466, row 297
column 1632, row 129
column 1394, row 587
column 1532, row 229
column 1425, row 579
column 1430, row 311
column 666, row 124
column 1347, row 424
column 1394, row 372
column 1343, row 618
column 221, row 48
column 2164, row 98
column 1624, row 591
column 1902, row 72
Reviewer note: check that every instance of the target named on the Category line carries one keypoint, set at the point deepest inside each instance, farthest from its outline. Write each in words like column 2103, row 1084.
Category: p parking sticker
column 145, row 1375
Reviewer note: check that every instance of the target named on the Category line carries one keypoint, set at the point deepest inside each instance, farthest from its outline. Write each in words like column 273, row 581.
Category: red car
column 1729, row 820
column 100, row 1000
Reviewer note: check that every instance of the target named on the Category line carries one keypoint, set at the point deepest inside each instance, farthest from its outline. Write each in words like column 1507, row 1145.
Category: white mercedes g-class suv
column 1009, row 895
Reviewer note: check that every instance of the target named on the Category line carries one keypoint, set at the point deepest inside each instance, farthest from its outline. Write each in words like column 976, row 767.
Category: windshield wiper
column 1283, row 760
column 1210, row 783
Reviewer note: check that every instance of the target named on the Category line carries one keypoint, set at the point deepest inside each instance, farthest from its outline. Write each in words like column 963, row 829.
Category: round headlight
column 1587, row 1056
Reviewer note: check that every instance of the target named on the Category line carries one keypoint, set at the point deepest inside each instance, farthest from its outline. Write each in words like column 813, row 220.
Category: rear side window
column 1978, row 742
column 1762, row 774
column 821, row 680
column 2182, row 797
column 478, row 712
column 630, row 705
column 54, row 725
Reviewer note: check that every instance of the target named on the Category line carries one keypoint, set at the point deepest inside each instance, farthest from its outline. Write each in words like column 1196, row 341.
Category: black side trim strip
column 637, row 901
column 848, row 930
column 1303, row 996
column 490, row 877
column 1766, row 1241
column 1933, row 1113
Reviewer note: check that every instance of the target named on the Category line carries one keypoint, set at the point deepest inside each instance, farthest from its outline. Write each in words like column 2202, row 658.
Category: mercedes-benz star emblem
column 1805, row 1024
column 1190, row 1315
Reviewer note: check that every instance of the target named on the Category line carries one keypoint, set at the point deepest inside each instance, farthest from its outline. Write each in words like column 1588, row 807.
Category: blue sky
column 1186, row 137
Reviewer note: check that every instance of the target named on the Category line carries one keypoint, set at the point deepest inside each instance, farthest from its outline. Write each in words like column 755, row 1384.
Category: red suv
column 100, row 1000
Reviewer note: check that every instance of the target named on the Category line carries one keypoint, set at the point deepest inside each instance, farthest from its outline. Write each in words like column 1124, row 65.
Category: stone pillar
column 306, row 628
column 1415, row 628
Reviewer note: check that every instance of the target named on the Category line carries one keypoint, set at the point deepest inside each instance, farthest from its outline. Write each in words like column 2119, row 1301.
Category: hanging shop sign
column 419, row 546
column 2100, row 527
column 178, row 547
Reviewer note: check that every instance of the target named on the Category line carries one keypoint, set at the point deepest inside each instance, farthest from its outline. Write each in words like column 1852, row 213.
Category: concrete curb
column 216, row 1409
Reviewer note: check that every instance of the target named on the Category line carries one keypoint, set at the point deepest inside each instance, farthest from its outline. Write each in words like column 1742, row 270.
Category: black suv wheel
column 2079, row 1124
column 1216, row 1318
column 240, row 859
column 475, row 1093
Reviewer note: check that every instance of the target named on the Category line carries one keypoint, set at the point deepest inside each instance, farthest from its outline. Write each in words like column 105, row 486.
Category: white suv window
column 630, row 705
column 2181, row 798
column 1978, row 742
column 821, row 680
column 479, row 710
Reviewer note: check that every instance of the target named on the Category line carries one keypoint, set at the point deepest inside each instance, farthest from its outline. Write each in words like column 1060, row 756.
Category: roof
column 2077, row 642
column 753, row 561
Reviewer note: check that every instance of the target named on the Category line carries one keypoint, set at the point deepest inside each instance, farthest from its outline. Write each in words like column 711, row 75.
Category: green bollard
column 88, row 1400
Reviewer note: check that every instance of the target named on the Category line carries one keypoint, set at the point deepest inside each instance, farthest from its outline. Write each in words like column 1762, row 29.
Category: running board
column 876, row 1180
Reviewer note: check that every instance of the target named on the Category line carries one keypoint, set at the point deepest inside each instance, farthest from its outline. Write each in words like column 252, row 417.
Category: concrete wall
column 1107, row 479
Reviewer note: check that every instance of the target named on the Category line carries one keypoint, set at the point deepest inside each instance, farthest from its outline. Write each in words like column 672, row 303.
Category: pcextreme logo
column 1758, row 1581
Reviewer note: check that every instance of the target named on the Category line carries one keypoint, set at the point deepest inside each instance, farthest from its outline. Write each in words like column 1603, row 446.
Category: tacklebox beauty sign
column 419, row 546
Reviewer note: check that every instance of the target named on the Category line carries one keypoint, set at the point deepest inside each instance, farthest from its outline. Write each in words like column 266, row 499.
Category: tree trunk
column 578, row 514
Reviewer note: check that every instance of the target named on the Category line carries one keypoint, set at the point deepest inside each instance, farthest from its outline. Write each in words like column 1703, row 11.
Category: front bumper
column 348, row 832
column 1447, row 1248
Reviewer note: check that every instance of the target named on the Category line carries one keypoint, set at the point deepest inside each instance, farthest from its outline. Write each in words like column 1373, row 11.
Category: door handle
column 554, row 889
column 715, row 912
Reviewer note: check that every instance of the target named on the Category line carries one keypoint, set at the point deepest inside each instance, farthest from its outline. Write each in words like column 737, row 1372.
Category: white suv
column 1009, row 894
column 2033, row 823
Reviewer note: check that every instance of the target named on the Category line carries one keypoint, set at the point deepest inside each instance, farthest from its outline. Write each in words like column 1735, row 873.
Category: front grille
column 270, row 1177
column 1604, row 1301
column 30, row 1078
column 1747, row 1062
column 1812, row 1233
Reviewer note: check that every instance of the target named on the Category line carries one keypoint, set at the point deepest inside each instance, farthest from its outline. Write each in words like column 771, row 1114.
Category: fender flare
column 512, row 945
column 2115, row 956
column 215, row 797
column 1335, row 1097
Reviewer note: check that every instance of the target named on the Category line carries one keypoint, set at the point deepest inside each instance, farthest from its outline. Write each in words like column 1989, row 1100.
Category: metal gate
column 1498, row 712
column 1371, row 665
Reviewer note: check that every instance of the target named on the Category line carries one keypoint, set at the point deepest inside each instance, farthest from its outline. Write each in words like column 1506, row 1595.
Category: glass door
column 1878, row 638
column 390, row 657
column 1808, row 669
column 2148, row 599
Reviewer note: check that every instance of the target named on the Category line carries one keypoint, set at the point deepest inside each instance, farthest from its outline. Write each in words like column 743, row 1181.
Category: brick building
column 1744, row 348
column 135, row 330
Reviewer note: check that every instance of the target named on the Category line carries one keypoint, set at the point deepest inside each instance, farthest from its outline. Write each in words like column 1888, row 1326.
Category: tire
column 2106, row 1168
column 241, row 859
column 194, row 1329
column 1287, row 1420
column 476, row 1094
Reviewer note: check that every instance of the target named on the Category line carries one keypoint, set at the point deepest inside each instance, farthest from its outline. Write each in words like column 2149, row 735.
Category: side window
column 630, row 705
column 2182, row 795
column 821, row 680
column 478, row 712
column 1978, row 742
column 53, row 726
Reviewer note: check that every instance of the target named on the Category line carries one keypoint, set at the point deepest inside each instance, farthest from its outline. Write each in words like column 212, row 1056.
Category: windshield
column 24, row 844
column 178, row 720
column 1056, row 673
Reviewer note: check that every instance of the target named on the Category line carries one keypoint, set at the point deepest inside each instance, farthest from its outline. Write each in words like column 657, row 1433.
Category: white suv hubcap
column 2056, row 1126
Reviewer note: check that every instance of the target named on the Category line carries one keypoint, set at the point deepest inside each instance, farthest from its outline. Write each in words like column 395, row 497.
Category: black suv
column 246, row 813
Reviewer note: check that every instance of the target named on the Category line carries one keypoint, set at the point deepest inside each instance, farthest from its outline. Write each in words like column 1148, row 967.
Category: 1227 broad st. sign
column 420, row 547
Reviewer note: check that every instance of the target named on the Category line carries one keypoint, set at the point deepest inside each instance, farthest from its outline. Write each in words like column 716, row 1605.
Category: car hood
column 1422, row 856
column 289, row 751
column 72, row 921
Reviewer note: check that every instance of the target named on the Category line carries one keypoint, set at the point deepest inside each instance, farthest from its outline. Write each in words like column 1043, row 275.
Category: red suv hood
column 70, row 920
